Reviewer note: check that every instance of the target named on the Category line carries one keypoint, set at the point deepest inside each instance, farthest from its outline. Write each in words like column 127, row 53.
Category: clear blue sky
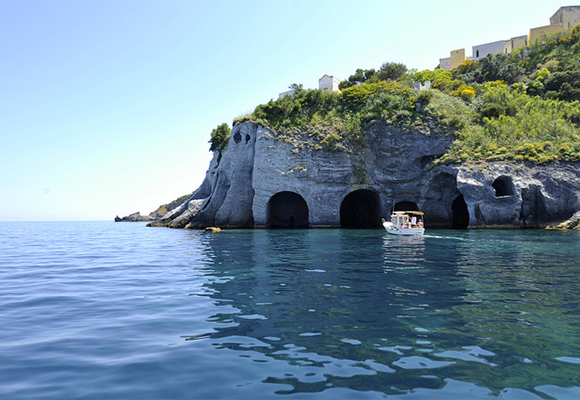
column 106, row 107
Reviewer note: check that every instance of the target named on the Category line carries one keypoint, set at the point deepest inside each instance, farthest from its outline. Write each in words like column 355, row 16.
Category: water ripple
column 100, row 310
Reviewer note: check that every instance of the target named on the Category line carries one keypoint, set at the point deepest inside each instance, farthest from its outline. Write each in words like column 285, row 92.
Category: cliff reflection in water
column 366, row 311
column 345, row 304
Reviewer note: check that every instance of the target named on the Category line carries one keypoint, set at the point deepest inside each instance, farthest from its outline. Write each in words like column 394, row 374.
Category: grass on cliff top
column 337, row 121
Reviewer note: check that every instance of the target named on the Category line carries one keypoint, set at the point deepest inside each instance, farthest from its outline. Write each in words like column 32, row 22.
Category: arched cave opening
column 287, row 210
column 360, row 210
column 439, row 197
column 504, row 186
column 405, row 206
column 237, row 137
column 460, row 213
column 533, row 211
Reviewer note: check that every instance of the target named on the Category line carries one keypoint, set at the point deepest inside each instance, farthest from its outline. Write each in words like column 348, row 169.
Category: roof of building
column 328, row 76
column 562, row 8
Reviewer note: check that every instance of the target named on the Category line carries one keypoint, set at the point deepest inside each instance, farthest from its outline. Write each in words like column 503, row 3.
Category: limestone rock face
column 506, row 195
column 261, row 181
column 230, row 202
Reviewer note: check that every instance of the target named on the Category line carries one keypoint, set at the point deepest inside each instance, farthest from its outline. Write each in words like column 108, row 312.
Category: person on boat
column 413, row 221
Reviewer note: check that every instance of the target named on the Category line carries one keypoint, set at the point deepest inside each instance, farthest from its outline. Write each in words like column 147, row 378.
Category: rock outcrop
column 572, row 223
column 160, row 213
column 260, row 181
column 135, row 217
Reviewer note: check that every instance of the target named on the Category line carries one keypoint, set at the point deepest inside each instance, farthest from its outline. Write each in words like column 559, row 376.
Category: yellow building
column 515, row 43
column 540, row 33
column 565, row 18
column 457, row 58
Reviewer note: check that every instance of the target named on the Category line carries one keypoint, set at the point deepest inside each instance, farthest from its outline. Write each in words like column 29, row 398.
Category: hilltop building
column 542, row 31
column 329, row 83
column 445, row 63
column 500, row 46
column 565, row 18
column 516, row 43
column 287, row 93
column 456, row 57
column 326, row 83
column 568, row 16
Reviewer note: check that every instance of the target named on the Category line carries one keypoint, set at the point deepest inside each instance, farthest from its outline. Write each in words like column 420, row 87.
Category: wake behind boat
column 405, row 223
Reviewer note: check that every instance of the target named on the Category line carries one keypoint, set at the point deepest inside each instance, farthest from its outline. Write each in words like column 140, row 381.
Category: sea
column 104, row 310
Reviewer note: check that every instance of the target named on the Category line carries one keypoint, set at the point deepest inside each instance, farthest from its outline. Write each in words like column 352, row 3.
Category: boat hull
column 406, row 231
column 393, row 230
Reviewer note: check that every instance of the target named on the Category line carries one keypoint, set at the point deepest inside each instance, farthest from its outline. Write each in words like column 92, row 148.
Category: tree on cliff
column 359, row 77
column 220, row 137
column 388, row 71
column 296, row 87
column 392, row 71
column 494, row 67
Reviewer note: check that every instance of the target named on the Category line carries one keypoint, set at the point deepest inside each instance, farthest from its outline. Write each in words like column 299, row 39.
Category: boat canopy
column 408, row 212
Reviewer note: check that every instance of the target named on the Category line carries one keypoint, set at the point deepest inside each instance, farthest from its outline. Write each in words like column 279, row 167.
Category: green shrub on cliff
column 296, row 110
column 388, row 71
column 521, row 128
column 337, row 121
column 220, row 137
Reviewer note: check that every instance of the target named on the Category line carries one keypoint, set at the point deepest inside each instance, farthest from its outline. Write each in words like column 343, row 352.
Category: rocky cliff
column 159, row 213
column 260, row 181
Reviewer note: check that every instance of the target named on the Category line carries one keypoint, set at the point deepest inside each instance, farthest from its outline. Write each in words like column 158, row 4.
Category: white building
column 287, row 93
column 482, row 50
column 445, row 63
column 329, row 82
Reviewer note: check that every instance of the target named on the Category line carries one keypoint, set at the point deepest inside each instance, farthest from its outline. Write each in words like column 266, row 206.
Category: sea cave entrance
column 533, row 210
column 460, row 213
column 504, row 186
column 287, row 210
column 360, row 209
column 405, row 206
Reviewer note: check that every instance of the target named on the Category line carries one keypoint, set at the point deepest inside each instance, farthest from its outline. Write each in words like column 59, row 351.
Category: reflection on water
column 120, row 311
column 365, row 311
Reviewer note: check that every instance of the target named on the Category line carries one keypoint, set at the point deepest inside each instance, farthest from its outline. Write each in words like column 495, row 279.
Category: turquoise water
column 102, row 310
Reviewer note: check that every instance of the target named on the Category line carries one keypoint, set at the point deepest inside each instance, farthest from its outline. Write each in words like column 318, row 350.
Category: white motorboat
column 405, row 223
